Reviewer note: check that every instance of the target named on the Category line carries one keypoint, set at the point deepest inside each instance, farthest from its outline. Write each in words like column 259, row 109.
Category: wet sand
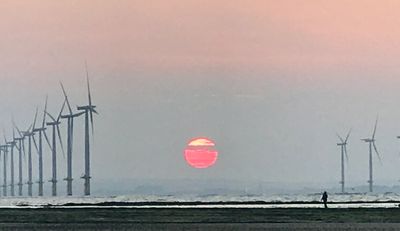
column 206, row 227
column 199, row 219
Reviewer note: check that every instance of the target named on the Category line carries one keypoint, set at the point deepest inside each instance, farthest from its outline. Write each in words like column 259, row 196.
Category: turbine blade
column 340, row 138
column 376, row 124
column 47, row 139
column 19, row 131
column 79, row 114
column 89, row 98
column 62, row 109
column 348, row 135
column 35, row 144
column 377, row 153
column 66, row 98
column 5, row 138
column 60, row 139
column 34, row 120
column 54, row 120
column 44, row 112
column 16, row 146
column 88, row 84
column 91, row 121
column 30, row 127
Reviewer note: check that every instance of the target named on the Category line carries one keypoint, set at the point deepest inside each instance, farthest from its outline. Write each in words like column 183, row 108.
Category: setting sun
column 200, row 153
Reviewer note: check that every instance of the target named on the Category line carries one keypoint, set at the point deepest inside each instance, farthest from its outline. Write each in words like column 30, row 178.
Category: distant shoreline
column 220, row 203
column 209, row 205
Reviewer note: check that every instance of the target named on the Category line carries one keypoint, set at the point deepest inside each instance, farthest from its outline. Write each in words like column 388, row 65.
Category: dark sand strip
column 200, row 219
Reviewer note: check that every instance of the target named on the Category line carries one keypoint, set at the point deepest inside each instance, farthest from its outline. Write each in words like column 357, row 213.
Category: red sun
column 201, row 153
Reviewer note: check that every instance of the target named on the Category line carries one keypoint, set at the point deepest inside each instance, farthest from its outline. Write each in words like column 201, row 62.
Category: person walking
column 325, row 199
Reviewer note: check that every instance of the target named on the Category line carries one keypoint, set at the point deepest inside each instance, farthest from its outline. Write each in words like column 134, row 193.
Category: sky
column 270, row 82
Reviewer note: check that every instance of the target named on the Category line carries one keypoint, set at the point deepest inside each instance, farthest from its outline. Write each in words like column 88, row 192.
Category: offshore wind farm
column 34, row 137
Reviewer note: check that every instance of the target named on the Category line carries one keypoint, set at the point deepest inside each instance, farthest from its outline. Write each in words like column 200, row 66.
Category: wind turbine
column 56, row 131
column 21, row 149
column 42, row 132
column 12, row 144
column 4, row 148
column 88, row 110
column 30, row 134
column 70, row 134
column 371, row 142
column 343, row 147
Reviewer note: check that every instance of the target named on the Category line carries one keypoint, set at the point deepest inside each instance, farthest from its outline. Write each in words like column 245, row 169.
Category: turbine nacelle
column 28, row 133
column 2, row 147
column 53, row 123
column 72, row 115
column 87, row 108
column 39, row 129
column 12, row 143
column 368, row 140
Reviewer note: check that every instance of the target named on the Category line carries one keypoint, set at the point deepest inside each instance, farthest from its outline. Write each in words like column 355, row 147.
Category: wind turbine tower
column 42, row 132
column 88, row 110
column 70, row 134
column 343, row 147
column 4, row 148
column 12, row 144
column 30, row 134
column 372, row 148
column 55, row 124
column 21, row 149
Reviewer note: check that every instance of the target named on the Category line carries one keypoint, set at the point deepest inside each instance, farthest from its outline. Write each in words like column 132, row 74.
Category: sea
column 349, row 200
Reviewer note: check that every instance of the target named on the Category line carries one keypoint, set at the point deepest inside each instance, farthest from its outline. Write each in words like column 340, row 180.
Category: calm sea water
column 265, row 201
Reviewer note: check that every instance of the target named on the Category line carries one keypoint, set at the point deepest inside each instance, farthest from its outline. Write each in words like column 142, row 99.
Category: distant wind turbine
column 343, row 147
column 88, row 110
column 21, row 149
column 12, row 144
column 4, row 148
column 30, row 134
column 41, row 131
column 372, row 145
column 55, row 124
column 70, row 138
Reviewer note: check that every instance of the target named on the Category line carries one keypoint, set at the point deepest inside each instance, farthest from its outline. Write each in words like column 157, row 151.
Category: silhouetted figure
column 325, row 199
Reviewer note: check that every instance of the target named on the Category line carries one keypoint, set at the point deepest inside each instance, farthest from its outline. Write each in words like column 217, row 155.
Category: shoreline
column 230, row 204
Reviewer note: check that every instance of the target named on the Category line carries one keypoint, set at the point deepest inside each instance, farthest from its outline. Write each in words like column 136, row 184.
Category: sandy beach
column 199, row 219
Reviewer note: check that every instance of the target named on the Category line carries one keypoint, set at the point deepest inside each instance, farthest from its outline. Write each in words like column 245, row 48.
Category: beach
column 200, row 219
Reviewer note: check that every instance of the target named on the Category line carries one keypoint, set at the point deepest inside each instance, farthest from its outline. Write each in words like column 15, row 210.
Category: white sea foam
column 250, row 201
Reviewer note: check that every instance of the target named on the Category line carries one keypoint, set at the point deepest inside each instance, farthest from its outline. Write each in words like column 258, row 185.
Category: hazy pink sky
column 288, row 35
column 339, row 59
